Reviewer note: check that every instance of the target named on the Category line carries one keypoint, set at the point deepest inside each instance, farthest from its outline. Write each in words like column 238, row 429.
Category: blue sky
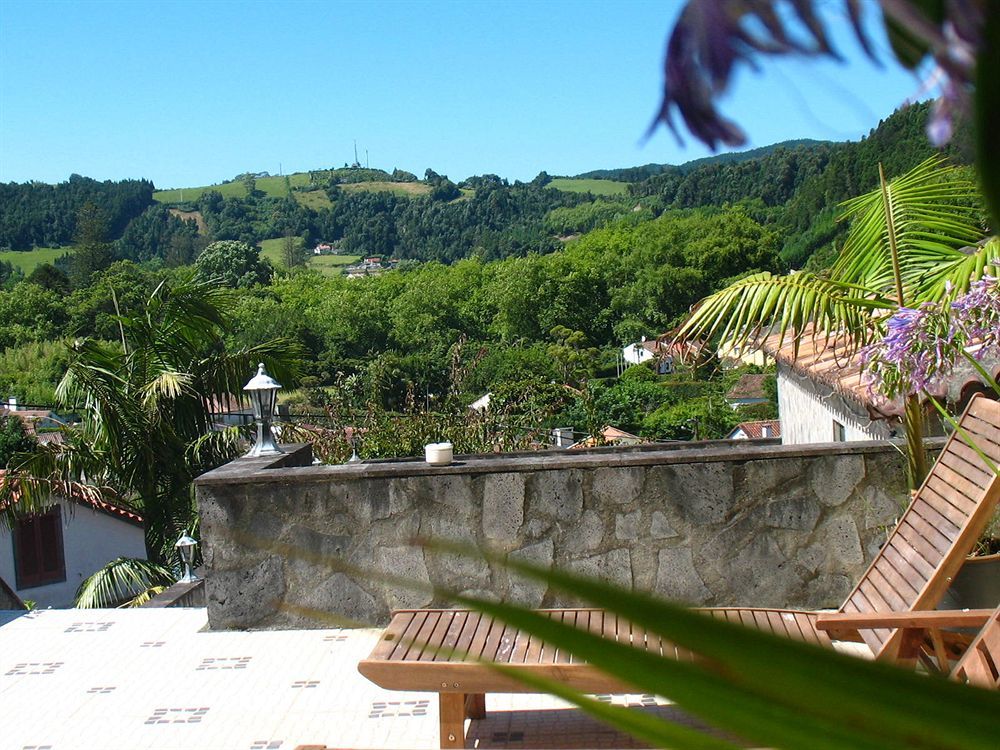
column 190, row 93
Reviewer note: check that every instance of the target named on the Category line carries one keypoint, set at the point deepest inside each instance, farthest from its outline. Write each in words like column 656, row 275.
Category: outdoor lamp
column 263, row 391
column 185, row 548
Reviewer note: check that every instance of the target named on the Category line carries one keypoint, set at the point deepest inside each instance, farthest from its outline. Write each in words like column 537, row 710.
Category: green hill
column 595, row 186
column 29, row 260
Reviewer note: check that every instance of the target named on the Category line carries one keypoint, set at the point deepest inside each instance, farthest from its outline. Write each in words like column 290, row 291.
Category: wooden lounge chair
column 978, row 665
column 422, row 650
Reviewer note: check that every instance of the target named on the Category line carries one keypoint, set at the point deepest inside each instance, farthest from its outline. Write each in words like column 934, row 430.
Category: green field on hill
column 273, row 186
column 327, row 264
column 28, row 260
column 597, row 187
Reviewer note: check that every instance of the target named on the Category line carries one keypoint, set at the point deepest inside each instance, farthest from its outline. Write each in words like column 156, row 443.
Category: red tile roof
column 113, row 510
column 834, row 363
column 755, row 430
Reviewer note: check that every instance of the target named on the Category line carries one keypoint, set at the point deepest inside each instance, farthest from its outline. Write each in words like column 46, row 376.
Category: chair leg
column 452, row 716
column 475, row 705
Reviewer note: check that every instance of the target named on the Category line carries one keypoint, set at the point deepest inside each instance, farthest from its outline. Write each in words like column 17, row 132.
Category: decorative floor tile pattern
column 89, row 627
column 35, row 667
column 391, row 709
column 234, row 690
column 177, row 716
column 223, row 662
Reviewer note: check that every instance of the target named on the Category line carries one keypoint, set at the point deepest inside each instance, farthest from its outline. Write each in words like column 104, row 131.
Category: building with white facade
column 823, row 397
column 45, row 558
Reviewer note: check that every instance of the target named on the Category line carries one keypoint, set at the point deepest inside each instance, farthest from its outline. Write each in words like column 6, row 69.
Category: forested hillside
column 523, row 290
column 794, row 186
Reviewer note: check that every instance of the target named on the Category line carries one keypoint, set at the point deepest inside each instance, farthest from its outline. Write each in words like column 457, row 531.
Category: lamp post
column 185, row 548
column 263, row 391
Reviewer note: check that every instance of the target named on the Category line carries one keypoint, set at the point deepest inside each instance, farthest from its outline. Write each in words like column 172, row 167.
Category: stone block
column 526, row 591
column 843, row 545
column 404, row 562
column 828, row 591
column 616, row 486
column 503, row 508
column 660, row 528
column 677, row 579
column 246, row 597
column 586, row 535
column 759, row 575
column 881, row 510
column 767, row 478
column 339, row 596
column 835, row 477
column 700, row 493
column 627, row 526
column 556, row 494
column 614, row 567
column 800, row 513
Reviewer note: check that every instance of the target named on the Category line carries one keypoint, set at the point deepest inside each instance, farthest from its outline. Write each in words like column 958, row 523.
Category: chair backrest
column 980, row 665
column 929, row 544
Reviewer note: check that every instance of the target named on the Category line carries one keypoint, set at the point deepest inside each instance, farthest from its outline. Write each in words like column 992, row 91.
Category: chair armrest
column 917, row 619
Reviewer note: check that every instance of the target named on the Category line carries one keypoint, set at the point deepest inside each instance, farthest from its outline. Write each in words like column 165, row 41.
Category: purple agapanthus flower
column 922, row 346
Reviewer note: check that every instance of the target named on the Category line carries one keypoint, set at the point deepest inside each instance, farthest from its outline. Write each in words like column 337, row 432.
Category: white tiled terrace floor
column 150, row 678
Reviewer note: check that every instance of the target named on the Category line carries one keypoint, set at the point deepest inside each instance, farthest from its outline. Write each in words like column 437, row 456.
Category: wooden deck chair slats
column 981, row 663
column 940, row 527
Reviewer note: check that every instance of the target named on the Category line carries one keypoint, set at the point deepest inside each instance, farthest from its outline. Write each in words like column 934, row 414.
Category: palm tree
column 913, row 239
column 146, row 403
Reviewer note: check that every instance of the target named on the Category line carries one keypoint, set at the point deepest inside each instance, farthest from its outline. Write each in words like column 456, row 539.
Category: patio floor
column 151, row 678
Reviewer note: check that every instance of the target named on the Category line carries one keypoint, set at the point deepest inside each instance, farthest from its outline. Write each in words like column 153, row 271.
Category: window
column 38, row 549
column 839, row 433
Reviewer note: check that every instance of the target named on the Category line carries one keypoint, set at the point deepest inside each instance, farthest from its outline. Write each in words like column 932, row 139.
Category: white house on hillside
column 45, row 558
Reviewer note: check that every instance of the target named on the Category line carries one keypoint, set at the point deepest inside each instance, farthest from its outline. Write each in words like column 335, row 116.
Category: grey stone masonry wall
column 288, row 544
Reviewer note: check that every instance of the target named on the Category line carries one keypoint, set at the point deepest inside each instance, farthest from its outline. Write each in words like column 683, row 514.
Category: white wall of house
column 636, row 354
column 91, row 539
column 810, row 412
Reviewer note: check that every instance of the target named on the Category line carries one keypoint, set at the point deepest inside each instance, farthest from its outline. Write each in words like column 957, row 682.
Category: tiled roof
column 115, row 511
column 833, row 363
column 748, row 386
column 755, row 430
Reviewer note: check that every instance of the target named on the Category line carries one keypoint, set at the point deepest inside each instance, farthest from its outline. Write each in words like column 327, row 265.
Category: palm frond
column 929, row 211
column 764, row 303
column 949, row 279
column 120, row 582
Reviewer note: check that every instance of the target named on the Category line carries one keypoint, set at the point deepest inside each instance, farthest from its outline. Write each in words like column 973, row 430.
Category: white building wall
column 808, row 409
column 91, row 539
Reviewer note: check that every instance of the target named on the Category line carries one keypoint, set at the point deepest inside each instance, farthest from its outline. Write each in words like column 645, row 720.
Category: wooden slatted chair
column 978, row 665
column 446, row 651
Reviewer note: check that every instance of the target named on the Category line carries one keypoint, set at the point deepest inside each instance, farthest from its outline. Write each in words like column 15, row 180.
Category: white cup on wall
column 439, row 454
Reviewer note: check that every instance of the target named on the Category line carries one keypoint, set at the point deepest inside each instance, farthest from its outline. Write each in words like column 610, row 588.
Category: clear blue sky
column 190, row 93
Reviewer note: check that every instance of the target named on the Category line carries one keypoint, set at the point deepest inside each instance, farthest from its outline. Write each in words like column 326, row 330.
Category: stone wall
column 721, row 524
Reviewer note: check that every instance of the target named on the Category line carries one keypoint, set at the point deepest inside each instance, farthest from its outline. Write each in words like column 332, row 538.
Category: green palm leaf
column 764, row 303
column 125, row 581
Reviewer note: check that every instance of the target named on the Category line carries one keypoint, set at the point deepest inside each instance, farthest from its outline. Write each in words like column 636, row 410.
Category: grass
column 327, row 264
column 276, row 187
column 314, row 199
column 29, row 260
column 597, row 187
column 396, row 188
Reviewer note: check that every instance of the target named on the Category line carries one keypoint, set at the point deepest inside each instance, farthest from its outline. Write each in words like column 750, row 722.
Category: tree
column 234, row 264
column 293, row 251
column 145, row 402
column 93, row 252
column 49, row 277
column 14, row 439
